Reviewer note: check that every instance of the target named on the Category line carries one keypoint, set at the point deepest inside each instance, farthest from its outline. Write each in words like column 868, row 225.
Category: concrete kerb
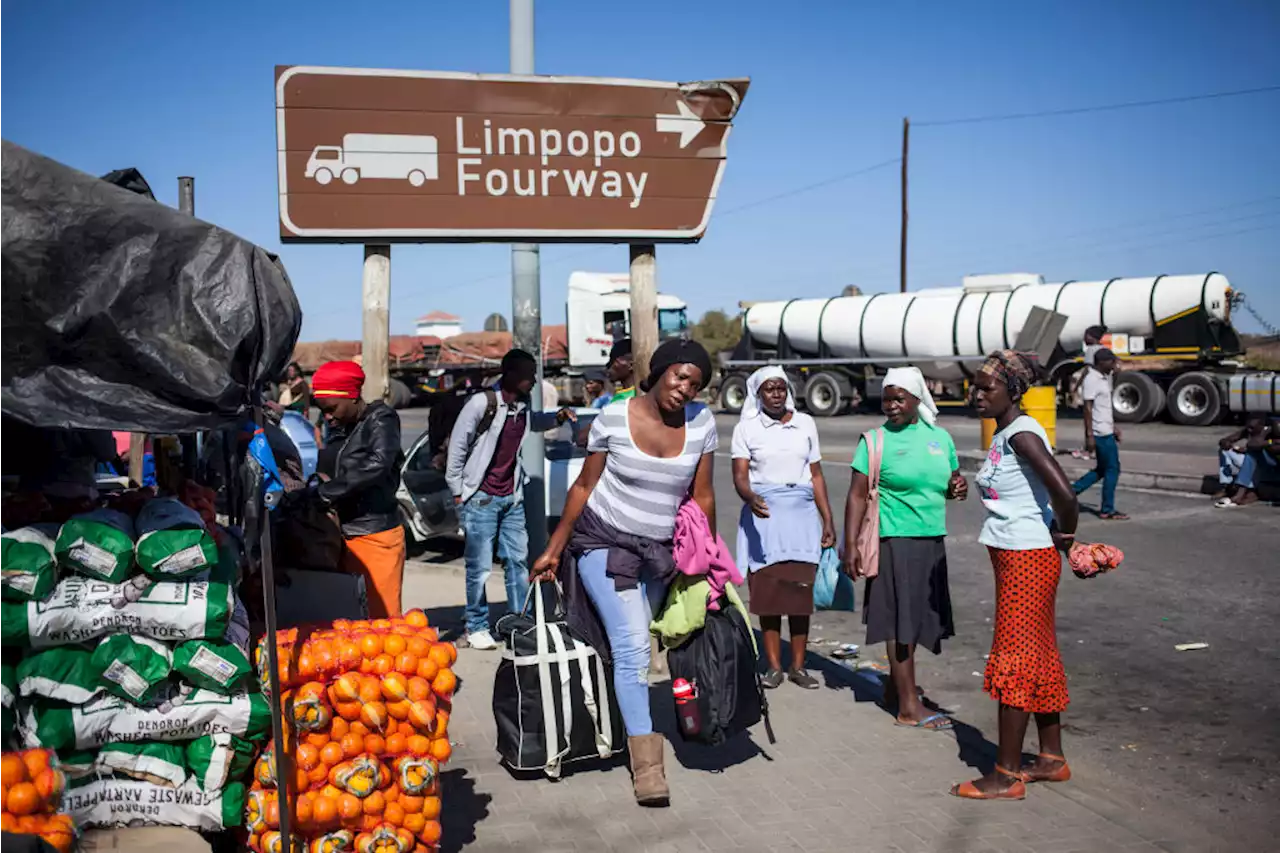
column 971, row 462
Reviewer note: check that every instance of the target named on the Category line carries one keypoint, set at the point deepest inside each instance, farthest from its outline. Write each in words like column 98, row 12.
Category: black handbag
column 553, row 698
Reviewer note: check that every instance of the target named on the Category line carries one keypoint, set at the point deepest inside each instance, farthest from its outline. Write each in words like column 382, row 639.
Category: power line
column 810, row 187
column 1096, row 109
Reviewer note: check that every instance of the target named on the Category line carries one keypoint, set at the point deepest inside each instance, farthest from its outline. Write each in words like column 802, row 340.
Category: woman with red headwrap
column 363, row 487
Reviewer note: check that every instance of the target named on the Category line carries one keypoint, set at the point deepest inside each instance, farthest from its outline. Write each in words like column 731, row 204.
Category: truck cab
column 599, row 313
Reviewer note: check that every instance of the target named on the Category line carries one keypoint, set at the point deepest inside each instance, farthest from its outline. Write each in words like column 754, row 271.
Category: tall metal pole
column 190, row 443
column 902, row 257
column 526, row 313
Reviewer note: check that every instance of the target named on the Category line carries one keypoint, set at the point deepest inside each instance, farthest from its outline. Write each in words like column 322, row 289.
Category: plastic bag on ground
column 28, row 568
column 173, row 543
column 97, row 544
column 132, row 667
column 832, row 588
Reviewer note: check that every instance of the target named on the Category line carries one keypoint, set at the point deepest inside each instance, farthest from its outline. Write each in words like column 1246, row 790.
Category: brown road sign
column 369, row 155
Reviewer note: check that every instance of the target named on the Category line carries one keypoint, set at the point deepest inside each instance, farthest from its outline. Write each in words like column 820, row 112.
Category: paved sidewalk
column 841, row 777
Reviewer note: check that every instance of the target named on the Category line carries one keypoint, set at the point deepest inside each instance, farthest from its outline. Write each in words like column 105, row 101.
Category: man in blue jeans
column 1101, row 437
column 486, row 478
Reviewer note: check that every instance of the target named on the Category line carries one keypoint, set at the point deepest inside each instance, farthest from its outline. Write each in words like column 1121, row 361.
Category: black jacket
column 363, row 489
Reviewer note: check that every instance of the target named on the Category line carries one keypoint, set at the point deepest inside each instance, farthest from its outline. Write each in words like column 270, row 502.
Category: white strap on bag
column 603, row 720
column 549, row 723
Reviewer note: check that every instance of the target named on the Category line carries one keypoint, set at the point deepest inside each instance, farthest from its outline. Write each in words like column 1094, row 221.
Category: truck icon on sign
column 387, row 156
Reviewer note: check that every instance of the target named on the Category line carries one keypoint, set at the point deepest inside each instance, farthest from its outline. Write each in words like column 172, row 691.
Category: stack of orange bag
column 30, row 793
column 366, row 709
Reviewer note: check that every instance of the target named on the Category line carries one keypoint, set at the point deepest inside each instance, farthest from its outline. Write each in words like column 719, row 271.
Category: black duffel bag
column 719, row 662
column 553, row 696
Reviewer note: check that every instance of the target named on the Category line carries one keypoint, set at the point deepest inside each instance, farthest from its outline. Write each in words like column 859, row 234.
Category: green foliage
column 717, row 331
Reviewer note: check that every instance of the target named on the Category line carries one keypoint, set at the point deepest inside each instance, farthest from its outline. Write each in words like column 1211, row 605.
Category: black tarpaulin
column 122, row 313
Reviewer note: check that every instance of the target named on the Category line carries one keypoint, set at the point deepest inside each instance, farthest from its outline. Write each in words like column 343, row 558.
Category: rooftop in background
column 439, row 317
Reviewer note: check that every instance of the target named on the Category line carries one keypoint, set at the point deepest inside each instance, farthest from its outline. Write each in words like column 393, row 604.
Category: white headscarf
column 911, row 380
column 751, row 406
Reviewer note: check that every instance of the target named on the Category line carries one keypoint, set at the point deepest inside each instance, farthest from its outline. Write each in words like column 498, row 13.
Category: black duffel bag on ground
column 553, row 696
column 719, row 661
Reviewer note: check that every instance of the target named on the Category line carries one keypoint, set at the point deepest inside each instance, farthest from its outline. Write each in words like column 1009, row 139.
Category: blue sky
column 186, row 89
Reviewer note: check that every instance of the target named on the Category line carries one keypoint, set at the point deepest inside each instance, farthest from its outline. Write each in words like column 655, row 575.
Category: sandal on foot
column 1113, row 516
column 1061, row 774
column 935, row 723
column 970, row 791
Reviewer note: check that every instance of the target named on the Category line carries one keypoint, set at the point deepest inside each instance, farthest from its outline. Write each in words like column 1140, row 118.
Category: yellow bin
column 1041, row 403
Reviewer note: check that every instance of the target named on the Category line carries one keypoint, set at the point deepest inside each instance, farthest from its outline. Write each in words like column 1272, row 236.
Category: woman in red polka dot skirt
column 1031, row 517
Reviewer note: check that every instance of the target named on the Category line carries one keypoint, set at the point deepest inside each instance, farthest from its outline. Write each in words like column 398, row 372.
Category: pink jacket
column 700, row 551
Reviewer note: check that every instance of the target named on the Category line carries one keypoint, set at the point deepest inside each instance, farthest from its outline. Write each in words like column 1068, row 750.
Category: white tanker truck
column 1172, row 332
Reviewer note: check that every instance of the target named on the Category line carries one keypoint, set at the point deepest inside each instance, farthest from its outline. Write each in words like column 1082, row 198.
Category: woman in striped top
column 645, row 455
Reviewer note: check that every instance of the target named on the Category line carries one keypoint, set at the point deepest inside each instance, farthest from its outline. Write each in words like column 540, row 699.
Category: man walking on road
column 1101, row 437
column 486, row 478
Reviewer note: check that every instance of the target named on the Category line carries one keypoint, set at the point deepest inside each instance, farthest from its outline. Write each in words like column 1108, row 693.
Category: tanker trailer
column 1172, row 332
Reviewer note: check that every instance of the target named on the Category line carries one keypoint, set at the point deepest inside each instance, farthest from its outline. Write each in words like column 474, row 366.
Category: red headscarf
column 343, row 379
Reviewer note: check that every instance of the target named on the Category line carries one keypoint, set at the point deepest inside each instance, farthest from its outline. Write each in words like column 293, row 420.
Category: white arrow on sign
column 687, row 123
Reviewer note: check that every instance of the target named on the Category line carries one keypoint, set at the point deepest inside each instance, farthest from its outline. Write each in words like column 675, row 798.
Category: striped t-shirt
column 638, row 493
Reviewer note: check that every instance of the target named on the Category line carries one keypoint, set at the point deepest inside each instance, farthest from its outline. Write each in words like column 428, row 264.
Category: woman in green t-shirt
column 907, row 602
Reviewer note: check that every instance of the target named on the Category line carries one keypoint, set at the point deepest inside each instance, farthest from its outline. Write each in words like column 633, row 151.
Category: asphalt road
column 1192, row 737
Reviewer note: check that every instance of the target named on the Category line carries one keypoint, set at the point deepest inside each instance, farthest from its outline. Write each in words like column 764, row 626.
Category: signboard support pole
column 376, row 343
column 644, row 306
column 526, row 314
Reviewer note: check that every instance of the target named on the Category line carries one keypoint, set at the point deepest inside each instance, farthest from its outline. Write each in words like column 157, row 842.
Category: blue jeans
column 1108, row 471
column 1243, row 468
column 486, row 518
column 626, row 615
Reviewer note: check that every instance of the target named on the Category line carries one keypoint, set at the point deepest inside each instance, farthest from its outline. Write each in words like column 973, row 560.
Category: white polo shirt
column 780, row 454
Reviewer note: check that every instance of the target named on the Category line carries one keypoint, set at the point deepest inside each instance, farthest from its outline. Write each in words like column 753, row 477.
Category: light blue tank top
column 1016, row 500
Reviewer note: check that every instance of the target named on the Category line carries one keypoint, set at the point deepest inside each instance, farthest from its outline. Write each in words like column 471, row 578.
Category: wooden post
column 644, row 307
column 902, row 249
column 137, row 447
column 376, row 346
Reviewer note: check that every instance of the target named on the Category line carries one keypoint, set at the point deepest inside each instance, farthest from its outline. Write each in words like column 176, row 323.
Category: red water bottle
column 686, row 696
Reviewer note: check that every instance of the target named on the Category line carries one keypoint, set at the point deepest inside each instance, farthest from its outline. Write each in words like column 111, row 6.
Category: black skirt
column 909, row 601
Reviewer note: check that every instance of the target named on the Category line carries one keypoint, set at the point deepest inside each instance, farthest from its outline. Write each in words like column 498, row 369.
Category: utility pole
column 644, row 306
column 902, row 256
column 526, row 316
column 375, row 347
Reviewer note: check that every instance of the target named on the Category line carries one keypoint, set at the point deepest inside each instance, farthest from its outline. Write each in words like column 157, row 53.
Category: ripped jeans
column 626, row 615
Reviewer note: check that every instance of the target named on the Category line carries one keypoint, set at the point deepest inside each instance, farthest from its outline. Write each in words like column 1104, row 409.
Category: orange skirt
column 380, row 558
column 1025, row 670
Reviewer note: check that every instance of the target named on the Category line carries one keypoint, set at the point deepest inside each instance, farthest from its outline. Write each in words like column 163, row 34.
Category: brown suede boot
column 648, row 777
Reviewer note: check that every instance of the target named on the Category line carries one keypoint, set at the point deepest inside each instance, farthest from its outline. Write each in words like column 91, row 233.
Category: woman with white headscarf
column 907, row 601
column 786, row 517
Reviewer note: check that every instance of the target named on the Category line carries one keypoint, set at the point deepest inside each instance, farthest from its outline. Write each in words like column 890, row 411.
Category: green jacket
column 685, row 611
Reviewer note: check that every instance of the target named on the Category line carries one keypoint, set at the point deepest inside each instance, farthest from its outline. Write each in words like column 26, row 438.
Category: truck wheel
column 400, row 395
column 350, row 176
column 822, row 396
column 733, row 393
column 1135, row 397
column 323, row 176
column 1194, row 400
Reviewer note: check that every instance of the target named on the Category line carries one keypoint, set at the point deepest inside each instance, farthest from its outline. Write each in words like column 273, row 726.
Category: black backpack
column 719, row 660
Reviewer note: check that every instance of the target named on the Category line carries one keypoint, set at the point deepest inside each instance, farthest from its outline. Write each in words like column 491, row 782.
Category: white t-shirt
column 1096, row 389
column 1090, row 353
column 779, row 453
column 639, row 493
column 1016, row 500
